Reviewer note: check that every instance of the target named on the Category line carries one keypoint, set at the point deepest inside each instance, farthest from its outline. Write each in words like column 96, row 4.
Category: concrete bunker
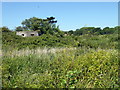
column 27, row 33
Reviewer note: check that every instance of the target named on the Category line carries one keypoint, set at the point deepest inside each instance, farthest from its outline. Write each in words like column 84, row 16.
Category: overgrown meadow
column 49, row 61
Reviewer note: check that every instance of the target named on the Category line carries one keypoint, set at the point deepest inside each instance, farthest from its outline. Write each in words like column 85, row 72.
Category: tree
column 96, row 31
column 117, row 29
column 88, row 30
column 19, row 28
column 108, row 30
column 5, row 29
column 84, row 30
column 32, row 23
column 71, row 32
column 42, row 25
column 78, row 32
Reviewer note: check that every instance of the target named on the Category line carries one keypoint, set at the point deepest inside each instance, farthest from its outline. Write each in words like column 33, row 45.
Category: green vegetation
column 95, row 31
column 81, row 68
column 84, row 58
column 12, row 41
column 43, row 26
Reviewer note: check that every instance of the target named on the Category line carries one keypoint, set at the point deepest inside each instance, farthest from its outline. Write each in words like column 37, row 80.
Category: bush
column 78, row 68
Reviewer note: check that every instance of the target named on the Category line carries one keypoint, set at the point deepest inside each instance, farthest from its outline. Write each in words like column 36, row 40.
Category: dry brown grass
column 38, row 51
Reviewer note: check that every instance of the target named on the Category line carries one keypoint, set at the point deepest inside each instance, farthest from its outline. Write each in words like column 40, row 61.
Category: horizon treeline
column 48, row 26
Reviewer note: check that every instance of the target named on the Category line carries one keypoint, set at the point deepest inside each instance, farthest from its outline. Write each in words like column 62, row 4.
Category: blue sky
column 70, row 15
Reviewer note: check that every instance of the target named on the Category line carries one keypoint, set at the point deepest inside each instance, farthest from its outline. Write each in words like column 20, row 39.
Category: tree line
column 48, row 26
column 94, row 31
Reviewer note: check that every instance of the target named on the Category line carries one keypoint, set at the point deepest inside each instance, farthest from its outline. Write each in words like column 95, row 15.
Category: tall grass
column 86, row 61
column 37, row 51
column 62, row 68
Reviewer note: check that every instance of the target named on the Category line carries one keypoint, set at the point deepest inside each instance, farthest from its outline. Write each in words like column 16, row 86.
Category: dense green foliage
column 4, row 29
column 95, row 31
column 12, row 41
column 43, row 26
column 85, row 67
column 85, row 58
column 77, row 68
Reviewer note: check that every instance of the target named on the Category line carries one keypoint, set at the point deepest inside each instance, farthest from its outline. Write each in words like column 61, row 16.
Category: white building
column 27, row 33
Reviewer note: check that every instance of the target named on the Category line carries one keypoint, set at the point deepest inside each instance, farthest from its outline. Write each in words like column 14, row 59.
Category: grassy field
column 61, row 68
column 85, row 61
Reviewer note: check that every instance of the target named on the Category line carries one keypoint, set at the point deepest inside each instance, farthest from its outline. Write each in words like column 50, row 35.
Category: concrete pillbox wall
column 27, row 33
